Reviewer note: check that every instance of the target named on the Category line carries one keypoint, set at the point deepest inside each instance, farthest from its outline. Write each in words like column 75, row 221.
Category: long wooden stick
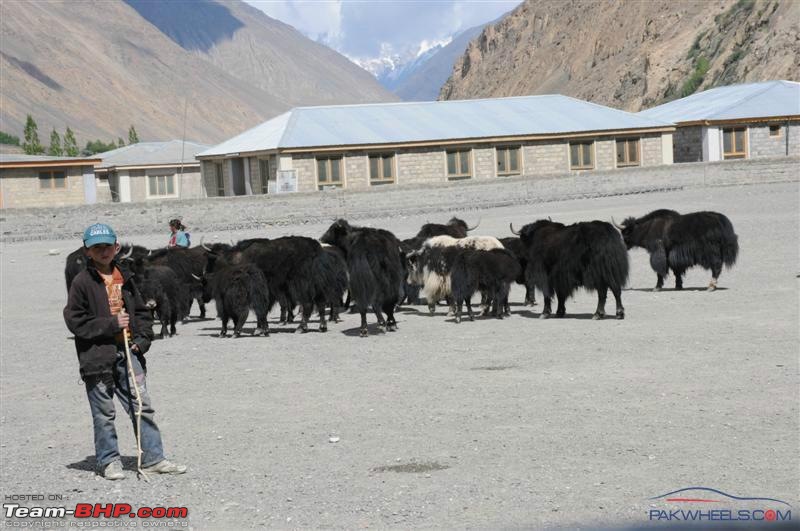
column 140, row 472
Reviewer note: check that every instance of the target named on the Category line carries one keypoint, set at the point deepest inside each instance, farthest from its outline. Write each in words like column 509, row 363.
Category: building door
column 237, row 176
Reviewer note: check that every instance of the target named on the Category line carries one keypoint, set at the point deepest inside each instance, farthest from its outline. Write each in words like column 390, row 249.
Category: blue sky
column 364, row 30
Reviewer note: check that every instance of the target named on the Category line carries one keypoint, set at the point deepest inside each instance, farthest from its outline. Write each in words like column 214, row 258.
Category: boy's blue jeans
column 100, row 391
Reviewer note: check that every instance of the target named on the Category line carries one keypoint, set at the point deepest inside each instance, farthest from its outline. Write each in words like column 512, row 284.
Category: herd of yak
column 374, row 271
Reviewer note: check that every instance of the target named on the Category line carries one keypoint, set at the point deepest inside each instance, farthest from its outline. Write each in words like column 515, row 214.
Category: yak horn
column 511, row 226
column 196, row 277
column 475, row 227
column 617, row 225
column 127, row 255
column 204, row 246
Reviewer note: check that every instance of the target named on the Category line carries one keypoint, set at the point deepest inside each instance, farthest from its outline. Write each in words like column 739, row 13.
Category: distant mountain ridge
column 629, row 55
column 100, row 66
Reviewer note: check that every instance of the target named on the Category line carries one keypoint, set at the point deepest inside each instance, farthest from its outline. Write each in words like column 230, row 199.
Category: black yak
column 164, row 294
column 562, row 258
column 375, row 267
column 515, row 245
column 296, row 271
column 76, row 260
column 490, row 272
column 457, row 228
column 678, row 242
column 237, row 289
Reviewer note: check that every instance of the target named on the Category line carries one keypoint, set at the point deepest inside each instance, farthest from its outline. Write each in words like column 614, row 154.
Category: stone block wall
column 687, row 144
column 484, row 162
column 650, row 150
column 544, row 158
column 236, row 213
column 20, row 188
column 762, row 145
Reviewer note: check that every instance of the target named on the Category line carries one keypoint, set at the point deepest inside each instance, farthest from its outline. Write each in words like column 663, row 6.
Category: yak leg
column 391, row 323
column 363, row 332
column 307, row 308
column 617, row 291
column 164, row 327
column 469, row 309
column 561, row 310
column 202, row 306
column 238, row 321
column 224, row 317
column 716, row 270
column 379, row 316
column 678, row 277
column 602, row 294
column 459, row 308
column 546, row 311
column 323, row 326
column 262, row 326
column 530, row 296
column 659, row 263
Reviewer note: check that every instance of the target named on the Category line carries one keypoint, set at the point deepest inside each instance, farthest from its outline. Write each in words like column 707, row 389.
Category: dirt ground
column 513, row 423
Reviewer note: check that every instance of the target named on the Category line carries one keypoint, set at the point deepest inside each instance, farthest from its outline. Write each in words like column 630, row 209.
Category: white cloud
column 318, row 20
column 374, row 30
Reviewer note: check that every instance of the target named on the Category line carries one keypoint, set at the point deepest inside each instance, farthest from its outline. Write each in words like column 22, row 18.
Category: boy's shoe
column 113, row 471
column 165, row 467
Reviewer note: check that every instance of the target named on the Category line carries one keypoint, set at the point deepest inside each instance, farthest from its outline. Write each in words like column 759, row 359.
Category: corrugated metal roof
column 152, row 154
column 390, row 123
column 10, row 158
column 751, row 100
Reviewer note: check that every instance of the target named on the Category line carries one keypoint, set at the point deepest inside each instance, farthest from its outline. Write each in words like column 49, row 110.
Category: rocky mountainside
column 630, row 55
column 101, row 66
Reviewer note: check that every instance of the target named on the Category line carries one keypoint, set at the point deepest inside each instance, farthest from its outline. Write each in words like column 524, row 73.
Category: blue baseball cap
column 97, row 234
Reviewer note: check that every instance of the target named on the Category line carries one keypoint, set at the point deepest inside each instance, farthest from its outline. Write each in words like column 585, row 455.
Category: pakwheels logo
column 704, row 504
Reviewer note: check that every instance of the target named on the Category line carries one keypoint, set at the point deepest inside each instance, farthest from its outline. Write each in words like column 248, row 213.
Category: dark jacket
column 88, row 316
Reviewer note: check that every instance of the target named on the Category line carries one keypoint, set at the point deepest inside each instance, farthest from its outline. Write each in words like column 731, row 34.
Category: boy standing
column 97, row 313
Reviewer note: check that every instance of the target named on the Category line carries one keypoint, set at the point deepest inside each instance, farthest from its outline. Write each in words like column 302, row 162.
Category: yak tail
column 363, row 283
column 258, row 292
column 462, row 286
column 609, row 263
column 729, row 248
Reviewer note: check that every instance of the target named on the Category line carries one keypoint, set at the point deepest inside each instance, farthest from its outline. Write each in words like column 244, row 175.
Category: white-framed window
column 508, row 162
column 381, row 169
column 329, row 172
column 459, row 165
column 581, row 155
column 627, row 152
column 162, row 186
column 774, row 130
column 52, row 180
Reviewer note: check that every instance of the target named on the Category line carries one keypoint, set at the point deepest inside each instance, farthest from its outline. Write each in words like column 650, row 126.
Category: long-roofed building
column 44, row 181
column 152, row 170
column 753, row 120
column 362, row 146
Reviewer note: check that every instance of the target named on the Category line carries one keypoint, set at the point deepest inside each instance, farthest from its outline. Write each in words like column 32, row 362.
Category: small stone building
column 41, row 181
column 152, row 170
column 372, row 145
column 750, row 121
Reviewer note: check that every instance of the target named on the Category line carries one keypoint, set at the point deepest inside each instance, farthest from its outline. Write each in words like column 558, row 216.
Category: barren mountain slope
column 629, row 55
column 99, row 67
